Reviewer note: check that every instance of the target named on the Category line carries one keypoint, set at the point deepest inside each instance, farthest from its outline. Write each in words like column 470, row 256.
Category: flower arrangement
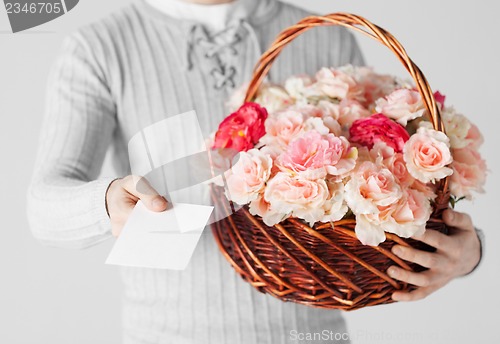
column 347, row 143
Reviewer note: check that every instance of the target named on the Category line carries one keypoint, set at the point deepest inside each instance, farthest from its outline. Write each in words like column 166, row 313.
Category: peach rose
column 296, row 196
column 474, row 137
column 283, row 127
column 371, row 186
column 427, row 155
column 248, row 176
column 409, row 216
column 402, row 105
column 273, row 98
column 457, row 127
column 301, row 87
column 314, row 118
column 397, row 165
column 335, row 206
column 314, row 156
column 336, row 84
column 351, row 110
column 374, row 85
column 406, row 217
column 369, row 230
column 469, row 173
column 263, row 209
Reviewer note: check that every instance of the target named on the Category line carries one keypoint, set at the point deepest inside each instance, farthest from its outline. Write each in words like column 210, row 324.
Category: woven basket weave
column 324, row 266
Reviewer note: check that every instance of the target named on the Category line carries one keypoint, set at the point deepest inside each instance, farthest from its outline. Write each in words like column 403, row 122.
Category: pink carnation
column 314, row 156
column 440, row 99
column 379, row 128
column 242, row 129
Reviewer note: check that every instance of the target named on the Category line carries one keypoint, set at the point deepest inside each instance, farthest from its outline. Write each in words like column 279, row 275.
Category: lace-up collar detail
column 217, row 54
column 217, row 50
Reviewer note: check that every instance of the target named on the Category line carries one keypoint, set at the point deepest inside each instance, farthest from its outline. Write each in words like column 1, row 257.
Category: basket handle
column 359, row 24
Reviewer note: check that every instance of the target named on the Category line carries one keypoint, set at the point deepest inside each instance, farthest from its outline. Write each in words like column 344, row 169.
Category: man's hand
column 122, row 196
column 456, row 255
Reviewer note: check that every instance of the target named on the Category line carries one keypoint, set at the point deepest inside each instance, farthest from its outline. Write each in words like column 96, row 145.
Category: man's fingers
column 434, row 238
column 140, row 187
column 425, row 259
column 458, row 220
column 419, row 279
column 418, row 294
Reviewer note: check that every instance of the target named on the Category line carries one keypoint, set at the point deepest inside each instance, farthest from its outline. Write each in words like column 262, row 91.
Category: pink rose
column 248, row 176
column 295, row 196
column 336, row 84
column 427, row 155
column 402, row 106
column 379, row 128
column 314, row 155
column 243, row 129
column 469, row 173
column 371, row 186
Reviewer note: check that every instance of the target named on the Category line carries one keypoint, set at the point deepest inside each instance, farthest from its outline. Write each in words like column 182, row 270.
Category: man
column 156, row 59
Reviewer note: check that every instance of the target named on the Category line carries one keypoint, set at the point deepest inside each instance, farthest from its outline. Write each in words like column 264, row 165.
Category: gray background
column 56, row 296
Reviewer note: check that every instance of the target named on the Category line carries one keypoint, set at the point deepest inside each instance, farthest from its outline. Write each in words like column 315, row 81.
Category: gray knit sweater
column 122, row 74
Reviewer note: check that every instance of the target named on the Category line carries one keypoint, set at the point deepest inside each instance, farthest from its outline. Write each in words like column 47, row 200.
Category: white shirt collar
column 214, row 17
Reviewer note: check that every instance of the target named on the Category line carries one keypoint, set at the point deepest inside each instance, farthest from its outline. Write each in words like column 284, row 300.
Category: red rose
column 379, row 128
column 242, row 129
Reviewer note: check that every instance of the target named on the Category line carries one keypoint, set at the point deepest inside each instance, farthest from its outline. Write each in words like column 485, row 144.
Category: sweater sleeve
column 480, row 236
column 66, row 200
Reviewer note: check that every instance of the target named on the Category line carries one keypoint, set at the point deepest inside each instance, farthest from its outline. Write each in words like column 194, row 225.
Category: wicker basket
column 325, row 266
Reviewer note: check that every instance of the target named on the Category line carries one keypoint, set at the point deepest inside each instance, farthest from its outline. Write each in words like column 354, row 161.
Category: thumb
column 140, row 188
